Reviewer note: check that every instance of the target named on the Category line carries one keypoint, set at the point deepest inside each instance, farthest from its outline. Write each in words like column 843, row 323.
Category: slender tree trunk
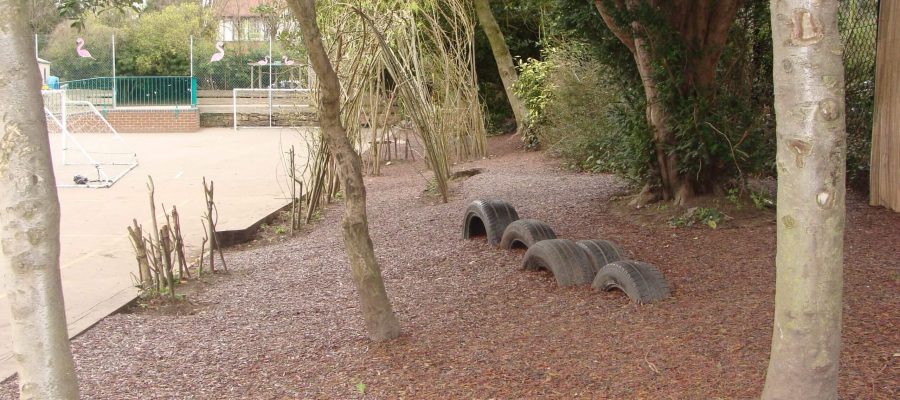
column 884, row 181
column 381, row 323
column 673, row 186
column 29, row 220
column 811, row 134
column 504, row 60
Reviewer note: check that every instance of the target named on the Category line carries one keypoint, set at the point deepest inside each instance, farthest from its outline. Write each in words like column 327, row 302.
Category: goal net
column 87, row 151
column 272, row 108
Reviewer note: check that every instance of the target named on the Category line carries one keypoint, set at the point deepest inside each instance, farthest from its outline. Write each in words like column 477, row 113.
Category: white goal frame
column 268, row 106
column 69, row 142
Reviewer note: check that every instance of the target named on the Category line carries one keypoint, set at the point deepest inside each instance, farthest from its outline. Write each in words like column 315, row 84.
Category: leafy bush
column 581, row 112
column 158, row 44
column 66, row 64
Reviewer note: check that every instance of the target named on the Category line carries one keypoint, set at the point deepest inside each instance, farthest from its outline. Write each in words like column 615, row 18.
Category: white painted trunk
column 29, row 219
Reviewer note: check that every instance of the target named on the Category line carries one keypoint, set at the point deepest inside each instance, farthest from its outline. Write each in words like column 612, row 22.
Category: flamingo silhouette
column 264, row 61
column 83, row 53
column 218, row 54
column 284, row 59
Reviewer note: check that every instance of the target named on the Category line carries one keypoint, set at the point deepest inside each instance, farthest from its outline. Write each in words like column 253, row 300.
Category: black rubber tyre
column 643, row 283
column 571, row 265
column 602, row 252
column 488, row 218
column 524, row 233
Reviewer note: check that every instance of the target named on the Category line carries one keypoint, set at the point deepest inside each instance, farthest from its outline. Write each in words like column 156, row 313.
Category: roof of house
column 42, row 61
column 237, row 8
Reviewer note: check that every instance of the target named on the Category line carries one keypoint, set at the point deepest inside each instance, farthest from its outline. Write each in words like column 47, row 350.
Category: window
column 226, row 30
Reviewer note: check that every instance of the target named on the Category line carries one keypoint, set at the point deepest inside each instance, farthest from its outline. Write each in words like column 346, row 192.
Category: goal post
column 90, row 151
column 270, row 108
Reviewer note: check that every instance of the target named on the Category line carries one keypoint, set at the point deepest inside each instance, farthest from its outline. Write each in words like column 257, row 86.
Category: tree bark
column 884, row 181
column 504, row 60
column 811, row 135
column 29, row 220
column 703, row 28
column 381, row 323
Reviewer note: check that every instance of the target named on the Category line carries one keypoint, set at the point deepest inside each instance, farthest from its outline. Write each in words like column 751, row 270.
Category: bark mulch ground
column 285, row 324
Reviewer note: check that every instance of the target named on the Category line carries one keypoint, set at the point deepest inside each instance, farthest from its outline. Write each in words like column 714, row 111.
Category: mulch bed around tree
column 285, row 323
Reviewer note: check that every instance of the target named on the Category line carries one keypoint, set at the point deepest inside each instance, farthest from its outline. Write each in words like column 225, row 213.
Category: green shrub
column 581, row 112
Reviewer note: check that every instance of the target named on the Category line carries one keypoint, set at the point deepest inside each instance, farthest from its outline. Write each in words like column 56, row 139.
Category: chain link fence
column 98, row 60
column 858, row 24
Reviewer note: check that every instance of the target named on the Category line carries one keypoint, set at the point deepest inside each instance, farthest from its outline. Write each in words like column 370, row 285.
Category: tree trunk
column 811, row 134
column 884, row 181
column 381, row 323
column 673, row 186
column 702, row 27
column 504, row 60
column 29, row 220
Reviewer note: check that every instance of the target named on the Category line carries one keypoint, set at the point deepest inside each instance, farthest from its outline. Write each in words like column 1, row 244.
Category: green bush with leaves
column 159, row 43
column 580, row 111
column 59, row 49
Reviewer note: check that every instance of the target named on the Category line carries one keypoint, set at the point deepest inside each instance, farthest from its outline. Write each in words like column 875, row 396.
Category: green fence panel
column 134, row 91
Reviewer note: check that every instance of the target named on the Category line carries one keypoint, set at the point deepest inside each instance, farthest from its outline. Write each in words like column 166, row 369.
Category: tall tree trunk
column 884, row 181
column 504, row 60
column 811, row 134
column 674, row 187
column 29, row 220
column 381, row 323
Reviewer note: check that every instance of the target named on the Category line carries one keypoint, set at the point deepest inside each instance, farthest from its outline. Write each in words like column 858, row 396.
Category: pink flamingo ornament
column 219, row 53
column 83, row 53
column 264, row 61
column 285, row 61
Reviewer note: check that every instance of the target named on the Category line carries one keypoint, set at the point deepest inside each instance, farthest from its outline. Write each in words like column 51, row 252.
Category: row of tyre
column 599, row 263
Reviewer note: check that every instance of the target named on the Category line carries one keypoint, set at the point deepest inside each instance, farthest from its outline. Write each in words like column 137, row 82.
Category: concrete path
column 97, row 260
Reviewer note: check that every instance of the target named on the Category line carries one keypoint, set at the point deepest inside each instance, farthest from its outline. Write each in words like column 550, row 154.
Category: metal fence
column 134, row 91
column 215, row 65
column 858, row 24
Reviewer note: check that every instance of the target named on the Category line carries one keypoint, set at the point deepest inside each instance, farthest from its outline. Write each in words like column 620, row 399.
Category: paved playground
column 97, row 261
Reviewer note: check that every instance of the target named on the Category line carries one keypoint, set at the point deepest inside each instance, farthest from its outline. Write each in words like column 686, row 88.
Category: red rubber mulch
column 286, row 323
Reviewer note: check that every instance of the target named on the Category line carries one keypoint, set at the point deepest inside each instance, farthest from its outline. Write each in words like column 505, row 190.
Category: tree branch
column 625, row 35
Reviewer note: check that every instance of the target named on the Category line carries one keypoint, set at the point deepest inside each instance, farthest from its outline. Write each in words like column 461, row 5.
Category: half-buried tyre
column 488, row 218
column 569, row 263
column 643, row 283
column 524, row 233
column 602, row 252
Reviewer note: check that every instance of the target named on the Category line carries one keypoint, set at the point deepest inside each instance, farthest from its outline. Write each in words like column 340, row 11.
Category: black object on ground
column 602, row 252
column 488, row 218
column 524, row 233
column 571, row 265
column 642, row 282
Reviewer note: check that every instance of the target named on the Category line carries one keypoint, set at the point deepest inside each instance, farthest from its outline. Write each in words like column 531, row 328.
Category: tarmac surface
column 97, row 261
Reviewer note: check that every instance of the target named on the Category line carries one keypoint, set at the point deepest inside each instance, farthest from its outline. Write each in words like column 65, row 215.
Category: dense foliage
column 154, row 42
column 586, row 100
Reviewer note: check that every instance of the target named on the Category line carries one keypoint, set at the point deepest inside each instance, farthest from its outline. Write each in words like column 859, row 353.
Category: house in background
column 237, row 21
column 44, row 66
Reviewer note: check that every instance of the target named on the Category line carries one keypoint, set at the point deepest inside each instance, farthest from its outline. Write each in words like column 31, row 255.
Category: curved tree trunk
column 381, row 323
column 703, row 28
column 673, row 186
column 504, row 60
column 811, row 134
column 884, row 182
column 29, row 220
